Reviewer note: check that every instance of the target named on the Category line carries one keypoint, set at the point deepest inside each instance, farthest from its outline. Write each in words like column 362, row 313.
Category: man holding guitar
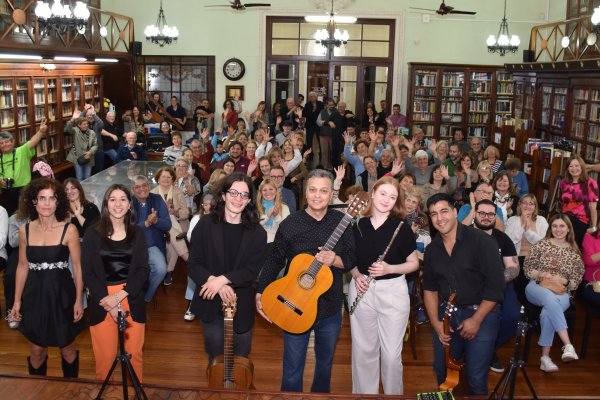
column 306, row 232
column 464, row 260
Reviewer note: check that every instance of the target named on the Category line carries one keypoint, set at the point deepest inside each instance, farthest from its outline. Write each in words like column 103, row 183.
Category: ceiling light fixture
column 161, row 33
column 69, row 58
column 21, row 56
column 503, row 44
column 107, row 60
column 331, row 36
column 60, row 18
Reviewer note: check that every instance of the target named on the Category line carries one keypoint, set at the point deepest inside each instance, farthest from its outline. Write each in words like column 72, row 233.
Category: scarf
column 501, row 200
column 268, row 205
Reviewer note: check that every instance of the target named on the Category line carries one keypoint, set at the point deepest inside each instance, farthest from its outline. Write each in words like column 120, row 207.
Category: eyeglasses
column 276, row 176
column 235, row 193
column 485, row 192
column 486, row 215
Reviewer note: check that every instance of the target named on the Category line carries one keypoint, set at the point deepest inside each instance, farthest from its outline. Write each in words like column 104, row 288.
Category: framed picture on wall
column 233, row 91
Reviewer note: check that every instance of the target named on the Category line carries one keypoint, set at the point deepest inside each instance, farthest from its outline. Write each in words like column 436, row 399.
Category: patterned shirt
column 564, row 261
column 575, row 198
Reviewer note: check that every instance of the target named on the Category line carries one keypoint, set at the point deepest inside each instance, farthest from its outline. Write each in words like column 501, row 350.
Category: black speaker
column 528, row 56
column 136, row 48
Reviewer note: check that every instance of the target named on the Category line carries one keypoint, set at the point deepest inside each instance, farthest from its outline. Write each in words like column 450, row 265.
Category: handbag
column 81, row 160
column 553, row 285
column 595, row 282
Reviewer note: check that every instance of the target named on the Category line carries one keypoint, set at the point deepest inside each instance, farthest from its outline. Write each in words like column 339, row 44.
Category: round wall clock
column 234, row 69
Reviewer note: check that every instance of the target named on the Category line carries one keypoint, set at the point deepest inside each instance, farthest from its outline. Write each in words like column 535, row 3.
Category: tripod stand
column 125, row 359
column 516, row 363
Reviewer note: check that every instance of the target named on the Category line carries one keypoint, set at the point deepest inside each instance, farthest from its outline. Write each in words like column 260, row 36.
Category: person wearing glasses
column 466, row 214
column 485, row 220
column 278, row 176
column 227, row 249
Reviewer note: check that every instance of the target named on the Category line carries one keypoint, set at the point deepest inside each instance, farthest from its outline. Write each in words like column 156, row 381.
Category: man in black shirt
column 485, row 220
column 305, row 232
column 464, row 260
column 311, row 112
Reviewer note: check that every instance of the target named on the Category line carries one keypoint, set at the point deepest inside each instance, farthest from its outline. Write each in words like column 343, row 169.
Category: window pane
column 345, row 73
column 284, row 47
column 376, row 32
column 375, row 92
column 311, row 48
column 346, row 92
column 282, row 71
column 354, row 30
column 375, row 49
column 285, row 30
column 307, row 31
column 373, row 73
column 350, row 49
column 281, row 90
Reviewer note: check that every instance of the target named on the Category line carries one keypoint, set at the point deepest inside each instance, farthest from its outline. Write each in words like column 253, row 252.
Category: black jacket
column 94, row 276
column 207, row 258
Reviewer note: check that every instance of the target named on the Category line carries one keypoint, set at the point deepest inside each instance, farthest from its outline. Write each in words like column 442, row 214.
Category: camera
column 9, row 182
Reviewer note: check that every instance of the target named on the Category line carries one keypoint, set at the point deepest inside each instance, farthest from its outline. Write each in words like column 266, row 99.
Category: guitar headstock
column 450, row 307
column 360, row 202
column 229, row 309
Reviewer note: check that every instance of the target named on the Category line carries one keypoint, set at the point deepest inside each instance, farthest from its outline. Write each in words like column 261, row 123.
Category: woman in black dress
column 115, row 259
column 48, row 299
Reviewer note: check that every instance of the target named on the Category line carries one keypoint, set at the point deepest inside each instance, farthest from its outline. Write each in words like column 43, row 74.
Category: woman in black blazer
column 115, row 269
column 227, row 250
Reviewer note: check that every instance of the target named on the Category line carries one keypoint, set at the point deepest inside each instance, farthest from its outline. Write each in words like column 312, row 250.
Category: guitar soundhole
column 306, row 281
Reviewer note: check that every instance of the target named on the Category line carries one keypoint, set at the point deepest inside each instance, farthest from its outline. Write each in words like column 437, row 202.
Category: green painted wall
column 225, row 33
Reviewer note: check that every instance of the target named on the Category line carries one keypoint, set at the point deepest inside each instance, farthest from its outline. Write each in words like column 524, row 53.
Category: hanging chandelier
column 331, row 36
column 60, row 18
column 161, row 33
column 503, row 44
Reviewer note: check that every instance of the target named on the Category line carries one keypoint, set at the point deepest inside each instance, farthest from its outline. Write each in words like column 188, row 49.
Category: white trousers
column 378, row 326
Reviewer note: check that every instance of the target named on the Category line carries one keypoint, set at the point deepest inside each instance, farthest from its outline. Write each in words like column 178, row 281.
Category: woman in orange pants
column 115, row 269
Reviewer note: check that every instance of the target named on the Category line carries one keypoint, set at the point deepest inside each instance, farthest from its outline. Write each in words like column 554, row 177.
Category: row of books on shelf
column 425, row 79
column 505, row 87
column 425, row 92
column 479, row 105
column 480, row 87
column 504, row 106
column 453, row 80
column 479, row 118
column 424, row 106
column 454, row 107
column 448, row 92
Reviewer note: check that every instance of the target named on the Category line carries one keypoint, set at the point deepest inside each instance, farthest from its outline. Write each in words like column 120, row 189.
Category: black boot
column 41, row 370
column 71, row 370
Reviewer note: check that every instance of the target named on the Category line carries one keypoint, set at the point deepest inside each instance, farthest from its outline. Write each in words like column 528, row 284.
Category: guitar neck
column 315, row 266
column 228, row 375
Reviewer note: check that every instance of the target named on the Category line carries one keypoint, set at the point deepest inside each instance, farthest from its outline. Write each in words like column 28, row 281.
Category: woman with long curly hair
column 48, row 299
column 271, row 209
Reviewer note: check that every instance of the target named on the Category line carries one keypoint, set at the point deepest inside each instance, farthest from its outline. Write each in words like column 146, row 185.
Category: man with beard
column 235, row 155
column 485, row 220
column 465, row 261
column 453, row 158
column 466, row 214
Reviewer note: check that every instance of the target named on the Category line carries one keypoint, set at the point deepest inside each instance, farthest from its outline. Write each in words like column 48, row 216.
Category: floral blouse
column 575, row 198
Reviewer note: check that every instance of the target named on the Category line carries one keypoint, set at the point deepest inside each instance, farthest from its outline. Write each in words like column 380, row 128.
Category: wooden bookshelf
column 27, row 94
column 444, row 97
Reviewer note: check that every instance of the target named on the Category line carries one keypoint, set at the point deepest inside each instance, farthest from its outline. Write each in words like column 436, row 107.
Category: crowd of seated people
column 274, row 149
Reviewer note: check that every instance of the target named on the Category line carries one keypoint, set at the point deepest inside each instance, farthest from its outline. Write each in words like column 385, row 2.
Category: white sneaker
column 189, row 316
column 11, row 324
column 547, row 365
column 569, row 354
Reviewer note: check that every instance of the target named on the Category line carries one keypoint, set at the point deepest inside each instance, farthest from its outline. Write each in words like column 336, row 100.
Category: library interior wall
column 225, row 33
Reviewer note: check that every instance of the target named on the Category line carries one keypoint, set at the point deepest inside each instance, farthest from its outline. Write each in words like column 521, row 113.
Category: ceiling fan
column 237, row 5
column 444, row 9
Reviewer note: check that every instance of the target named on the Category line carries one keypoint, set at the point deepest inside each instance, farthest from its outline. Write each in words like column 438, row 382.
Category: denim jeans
column 510, row 313
column 190, row 289
column 552, row 317
column 112, row 154
column 82, row 171
column 98, row 161
column 158, row 269
column 478, row 351
column 326, row 331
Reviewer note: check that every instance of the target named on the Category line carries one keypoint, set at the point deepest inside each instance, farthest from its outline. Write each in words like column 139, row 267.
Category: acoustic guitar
column 230, row 371
column 291, row 301
column 453, row 367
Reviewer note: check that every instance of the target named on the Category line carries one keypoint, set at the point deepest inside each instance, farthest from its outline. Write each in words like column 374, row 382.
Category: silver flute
column 379, row 259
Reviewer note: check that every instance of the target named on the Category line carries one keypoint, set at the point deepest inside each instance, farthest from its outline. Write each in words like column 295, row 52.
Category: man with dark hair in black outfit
column 465, row 261
column 485, row 220
column 311, row 112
